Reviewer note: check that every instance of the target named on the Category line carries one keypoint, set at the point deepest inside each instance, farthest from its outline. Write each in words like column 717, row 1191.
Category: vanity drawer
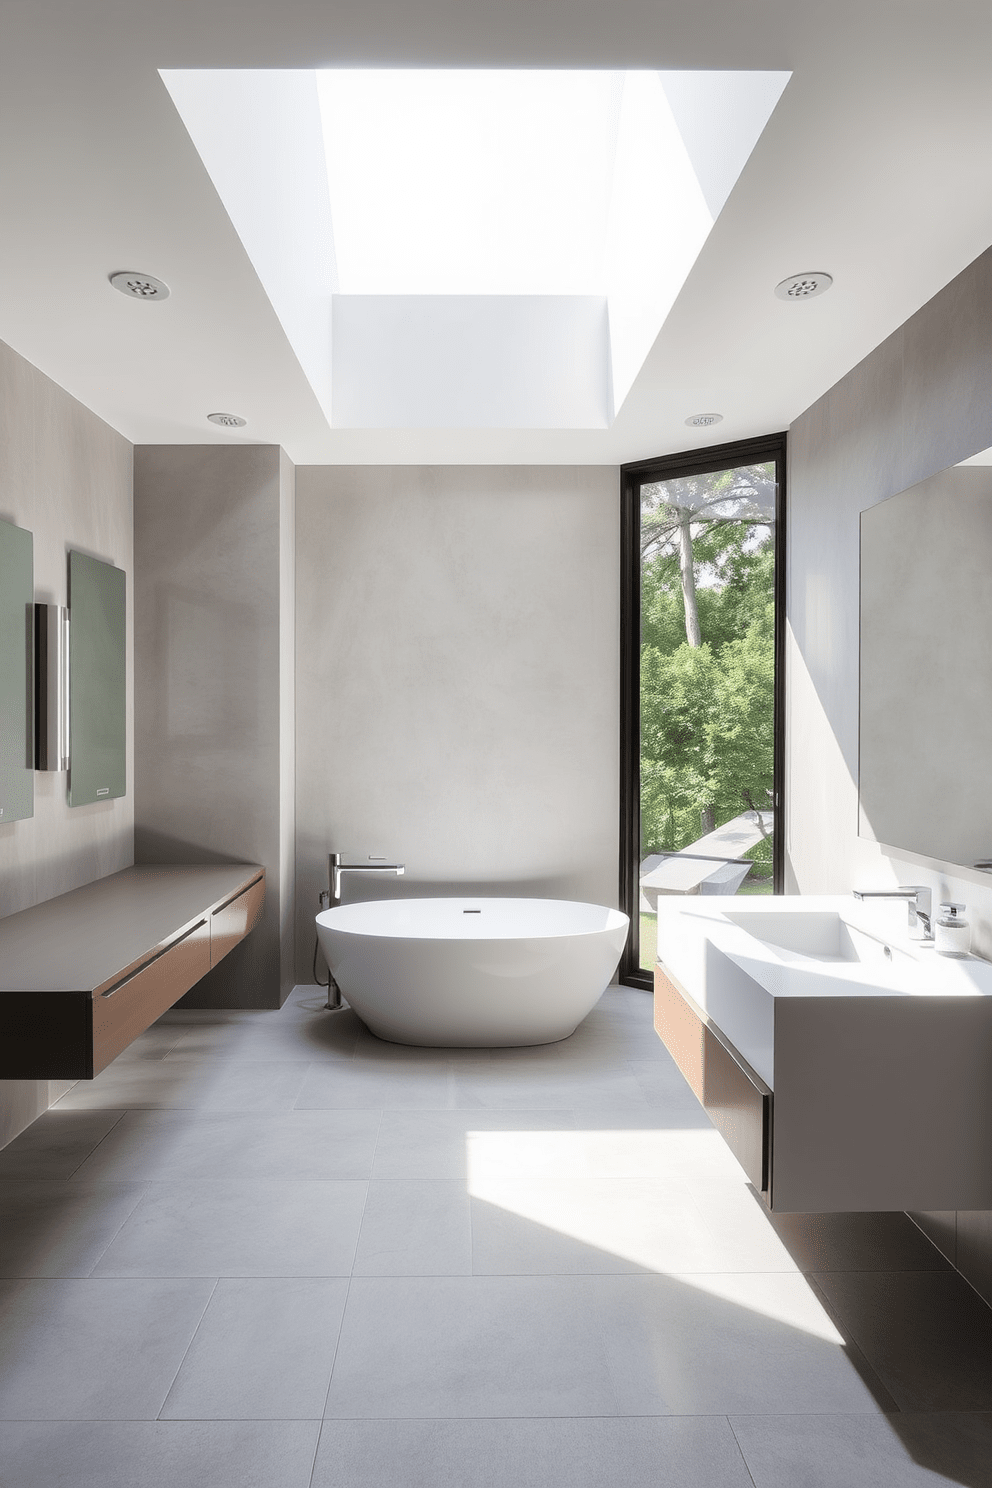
column 232, row 921
column 736, row 1100
column 122, row 1012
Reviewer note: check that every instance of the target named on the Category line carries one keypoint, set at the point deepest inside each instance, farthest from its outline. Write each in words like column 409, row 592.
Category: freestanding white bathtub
column 472, row 973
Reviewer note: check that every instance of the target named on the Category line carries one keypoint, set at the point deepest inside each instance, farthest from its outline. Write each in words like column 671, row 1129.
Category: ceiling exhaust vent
column 140, row 286
column 704, row 420
column 227, row 420
column 803, row 286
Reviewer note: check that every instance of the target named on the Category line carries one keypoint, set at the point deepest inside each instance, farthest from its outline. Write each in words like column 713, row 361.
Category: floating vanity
column 847, row 1066
column 82, row 975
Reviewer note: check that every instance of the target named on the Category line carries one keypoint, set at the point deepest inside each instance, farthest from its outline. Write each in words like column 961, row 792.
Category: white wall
column 66, row 476
column 457, row 679
column 920, row 402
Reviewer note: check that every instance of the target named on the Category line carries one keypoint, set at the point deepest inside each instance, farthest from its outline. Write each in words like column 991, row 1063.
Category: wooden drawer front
column 737, row 1103
column 121, row 1014
column 233, row 920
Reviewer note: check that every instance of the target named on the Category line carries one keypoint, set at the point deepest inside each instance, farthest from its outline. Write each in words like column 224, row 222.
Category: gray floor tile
column 157, row 1454
column 194, row 1083
column 591, row 1453
column 926, row 1333
column 168, row 1146
column 415, row 1229
column 857, row 1242
column 709, row 1344
column 531, row 1085
column 56, row 1144
column 94, row 1350
column 470, row 1346
column 894, row 1451
column 292, row 1038
column 50, row 1227
column 434, row 1146
column 154, row 1043
column 533, row 1227
column 262, row 1352
column 226, row 1227
column 393, row 1085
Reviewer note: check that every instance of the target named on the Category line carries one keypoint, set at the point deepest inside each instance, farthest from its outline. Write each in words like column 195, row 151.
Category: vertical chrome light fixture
column 51, row 654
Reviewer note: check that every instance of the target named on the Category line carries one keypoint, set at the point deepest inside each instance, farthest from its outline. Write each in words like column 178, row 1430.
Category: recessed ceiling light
column 704, row 420
column 803, row 286
column 140, row 286
column 227, row 420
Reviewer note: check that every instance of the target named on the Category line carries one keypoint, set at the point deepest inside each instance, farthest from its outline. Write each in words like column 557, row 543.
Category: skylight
column 473, row 249
column 470, row 183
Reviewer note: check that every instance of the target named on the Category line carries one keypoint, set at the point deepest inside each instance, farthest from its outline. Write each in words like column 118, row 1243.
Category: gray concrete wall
column 921, row 402
column 66, row 476
column 457, row 679
column 214, row 689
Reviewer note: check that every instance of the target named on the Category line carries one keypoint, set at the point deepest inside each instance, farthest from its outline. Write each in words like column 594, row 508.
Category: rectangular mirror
column 926, row 666
column 97, row 681
column 16, row 673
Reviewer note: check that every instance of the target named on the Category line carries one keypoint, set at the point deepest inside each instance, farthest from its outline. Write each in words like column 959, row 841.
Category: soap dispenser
column 952, row 933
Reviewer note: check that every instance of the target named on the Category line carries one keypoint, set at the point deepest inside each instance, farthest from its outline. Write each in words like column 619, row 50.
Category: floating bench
column 82, row 975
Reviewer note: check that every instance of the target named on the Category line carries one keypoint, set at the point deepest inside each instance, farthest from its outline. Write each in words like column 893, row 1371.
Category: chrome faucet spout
column 919, row 900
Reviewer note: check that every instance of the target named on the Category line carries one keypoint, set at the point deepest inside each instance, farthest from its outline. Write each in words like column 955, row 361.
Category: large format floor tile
column 49, row 1227
column 263, row 1351
column 688, row 1345
column 170, row 1146
column 94, row 1350
column 158, row 1454
column 926, row 1333
column 492, row 1268
column 230, row 1227
column 470, row 1346
column 577, row 1453
column 892, row 1451
column 57, row 1144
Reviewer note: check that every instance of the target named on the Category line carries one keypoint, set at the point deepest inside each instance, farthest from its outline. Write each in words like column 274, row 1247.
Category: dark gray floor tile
column 169, row 1146
column 94, row 1350
column 926, row 1333
column 50, row 1227
column 470, row 1346
column 893, row 1451
column 262, row 1352
column 56, row 1144
column 857, row 1242
column 591, row 1453
column 157, row 1454
column 227, row 1227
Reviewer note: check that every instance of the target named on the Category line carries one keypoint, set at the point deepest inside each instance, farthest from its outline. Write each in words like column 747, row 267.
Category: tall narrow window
column 701, row 715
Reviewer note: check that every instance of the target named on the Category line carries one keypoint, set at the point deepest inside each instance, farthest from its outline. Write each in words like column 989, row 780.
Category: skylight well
column 473, row 248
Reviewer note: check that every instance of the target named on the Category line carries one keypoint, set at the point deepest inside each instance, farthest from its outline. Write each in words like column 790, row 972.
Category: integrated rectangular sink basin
column 819, row 935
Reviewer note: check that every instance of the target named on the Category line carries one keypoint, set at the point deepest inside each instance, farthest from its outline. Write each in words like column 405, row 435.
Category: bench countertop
column 80, row 941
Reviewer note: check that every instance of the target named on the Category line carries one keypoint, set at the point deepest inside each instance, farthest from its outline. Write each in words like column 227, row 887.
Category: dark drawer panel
column 737, row 1102
column 121, row 1014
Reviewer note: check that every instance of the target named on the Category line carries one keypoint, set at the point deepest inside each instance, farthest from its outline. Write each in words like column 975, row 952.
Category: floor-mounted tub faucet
column 335, row 872
column 919, row 900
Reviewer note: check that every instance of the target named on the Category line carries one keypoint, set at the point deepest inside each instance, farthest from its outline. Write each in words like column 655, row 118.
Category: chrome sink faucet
column 919, row 901
column 332, row 894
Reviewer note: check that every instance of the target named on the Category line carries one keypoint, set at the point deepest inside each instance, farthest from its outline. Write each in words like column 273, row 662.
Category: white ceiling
column 874, row 167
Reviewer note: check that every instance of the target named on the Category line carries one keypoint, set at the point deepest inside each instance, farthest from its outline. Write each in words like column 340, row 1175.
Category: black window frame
column 768, row 448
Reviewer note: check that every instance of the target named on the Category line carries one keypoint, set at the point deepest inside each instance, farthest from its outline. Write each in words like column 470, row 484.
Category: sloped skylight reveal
column 473, row 249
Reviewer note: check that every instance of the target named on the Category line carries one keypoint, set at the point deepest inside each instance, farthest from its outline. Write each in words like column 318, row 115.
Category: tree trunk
column 693, row 634
column 707, row 821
